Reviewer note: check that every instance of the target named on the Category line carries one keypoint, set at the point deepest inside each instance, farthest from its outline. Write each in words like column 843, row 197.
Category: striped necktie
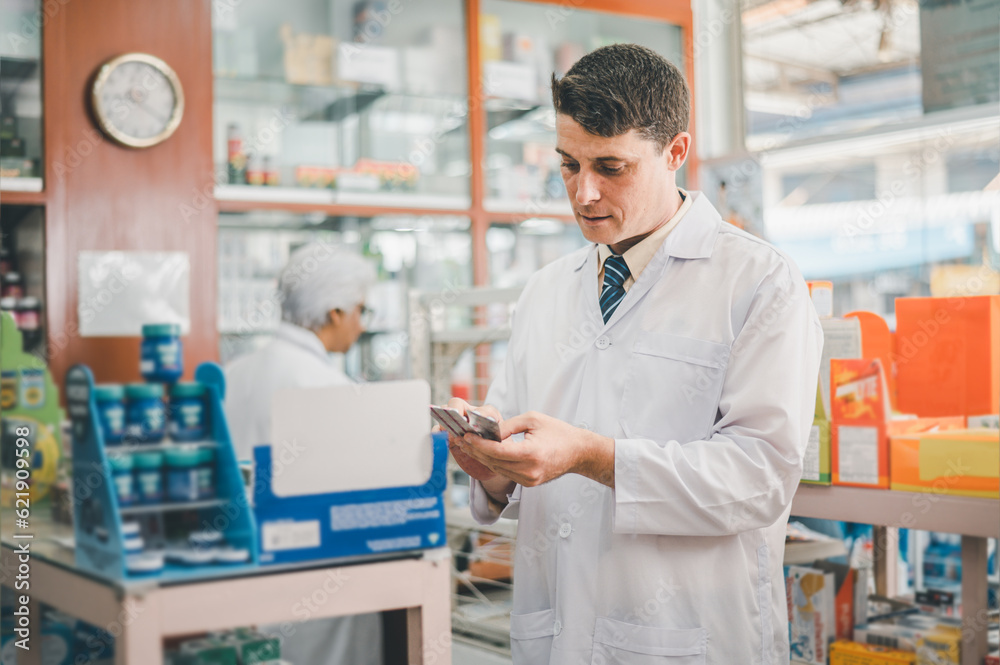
column 615, row 274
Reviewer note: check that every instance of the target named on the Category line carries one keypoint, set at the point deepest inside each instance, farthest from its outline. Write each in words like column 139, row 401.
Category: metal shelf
column 172, row 507
column 470, row 335
column 968, row 516
column 159, row 447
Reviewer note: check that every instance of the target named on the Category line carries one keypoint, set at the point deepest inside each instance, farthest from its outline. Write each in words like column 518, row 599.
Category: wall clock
column 137, row 100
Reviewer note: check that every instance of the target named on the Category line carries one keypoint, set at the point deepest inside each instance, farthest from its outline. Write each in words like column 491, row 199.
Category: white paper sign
column 361, row 436
column 510, row 80
column 118, row 292
column 364, row 63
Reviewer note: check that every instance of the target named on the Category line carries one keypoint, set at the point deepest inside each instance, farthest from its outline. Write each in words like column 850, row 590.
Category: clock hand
column 150, row 113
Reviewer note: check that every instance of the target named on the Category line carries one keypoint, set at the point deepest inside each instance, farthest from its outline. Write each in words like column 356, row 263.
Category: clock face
column 137, row 100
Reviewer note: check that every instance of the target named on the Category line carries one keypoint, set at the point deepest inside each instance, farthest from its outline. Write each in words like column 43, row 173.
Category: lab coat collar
column 693, row 238
column 301, row 337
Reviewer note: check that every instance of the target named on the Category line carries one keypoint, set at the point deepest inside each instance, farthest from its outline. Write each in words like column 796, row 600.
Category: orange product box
column 859, row 447
column 947, row 355
column 843, row 652
column 961, row 462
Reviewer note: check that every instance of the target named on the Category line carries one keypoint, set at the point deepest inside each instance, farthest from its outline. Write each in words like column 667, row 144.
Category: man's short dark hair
column 622, row 87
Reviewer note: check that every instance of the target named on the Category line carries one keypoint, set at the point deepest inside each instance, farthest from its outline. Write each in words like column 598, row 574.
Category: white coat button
column 603, row 342
column 565, row 529
column 557, row 627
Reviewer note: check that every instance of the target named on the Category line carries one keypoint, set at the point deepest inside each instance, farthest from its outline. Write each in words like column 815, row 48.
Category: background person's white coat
column 295, row 358
column 706, row 377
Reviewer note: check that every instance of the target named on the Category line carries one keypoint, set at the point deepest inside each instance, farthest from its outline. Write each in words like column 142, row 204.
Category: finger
column 459, row 405
column 519, row 424
column 491, row 411
column 508, row 451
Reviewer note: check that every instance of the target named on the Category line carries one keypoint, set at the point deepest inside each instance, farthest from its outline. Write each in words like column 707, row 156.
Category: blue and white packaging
column 356, row 473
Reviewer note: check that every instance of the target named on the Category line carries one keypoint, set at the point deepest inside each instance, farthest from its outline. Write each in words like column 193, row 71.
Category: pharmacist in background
column 664, row 381
column 322, row 292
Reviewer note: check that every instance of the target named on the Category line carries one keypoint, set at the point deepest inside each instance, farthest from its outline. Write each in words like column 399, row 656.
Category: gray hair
column 320, row 277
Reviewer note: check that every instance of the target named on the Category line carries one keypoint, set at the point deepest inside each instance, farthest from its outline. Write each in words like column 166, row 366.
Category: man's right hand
column 475, row 469
column 495, row 485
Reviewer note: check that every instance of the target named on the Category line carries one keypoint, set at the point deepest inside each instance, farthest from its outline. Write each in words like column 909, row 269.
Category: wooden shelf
column 22, row 191
column 911, row 510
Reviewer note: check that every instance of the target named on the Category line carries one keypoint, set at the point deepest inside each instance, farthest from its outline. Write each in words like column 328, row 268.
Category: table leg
column 139, row 639
column 974, row 598
column 435, row 615
column 886, row 558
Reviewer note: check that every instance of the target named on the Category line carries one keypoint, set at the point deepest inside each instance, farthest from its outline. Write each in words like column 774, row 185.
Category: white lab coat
column 295, row 358
column 705, row 376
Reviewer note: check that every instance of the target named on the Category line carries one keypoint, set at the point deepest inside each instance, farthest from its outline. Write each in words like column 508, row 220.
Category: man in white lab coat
column 656, row 399
column 322, row 291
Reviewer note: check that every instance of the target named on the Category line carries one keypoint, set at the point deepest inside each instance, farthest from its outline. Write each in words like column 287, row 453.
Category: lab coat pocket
column 673, row 387
column 531, row 636
column 629, row 644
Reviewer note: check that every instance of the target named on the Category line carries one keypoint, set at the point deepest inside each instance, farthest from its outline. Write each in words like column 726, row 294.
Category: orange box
column 900, row 426
column 961, row 462
column 843, row 652
column 859, row 447
column 947, row 355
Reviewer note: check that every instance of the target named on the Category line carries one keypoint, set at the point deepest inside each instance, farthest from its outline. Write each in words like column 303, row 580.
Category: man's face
column 620, row 187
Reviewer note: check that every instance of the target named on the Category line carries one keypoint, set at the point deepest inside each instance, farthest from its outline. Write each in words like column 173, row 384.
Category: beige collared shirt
column 639, row 255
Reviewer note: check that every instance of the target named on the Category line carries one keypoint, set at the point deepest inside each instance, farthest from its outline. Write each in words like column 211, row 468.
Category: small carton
column 943, row 647
column 811, row 615
column 960, row 462
column 843, row 652
column 821, row 294
column 859, row 449
column 816, row 460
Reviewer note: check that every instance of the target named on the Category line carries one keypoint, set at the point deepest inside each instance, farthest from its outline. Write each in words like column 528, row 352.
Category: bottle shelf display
column 166, row 540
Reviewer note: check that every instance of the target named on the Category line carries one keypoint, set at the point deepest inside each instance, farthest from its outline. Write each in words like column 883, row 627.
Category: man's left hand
column 551, row 448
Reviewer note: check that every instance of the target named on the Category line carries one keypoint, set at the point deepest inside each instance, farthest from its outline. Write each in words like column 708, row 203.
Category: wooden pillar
column 102, row 196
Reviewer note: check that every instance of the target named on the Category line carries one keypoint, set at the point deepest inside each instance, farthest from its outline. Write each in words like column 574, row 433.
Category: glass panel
column 889, row 217
column 20, row 94
column 516, row 251
column 22, row 272
column 363, row 99
column 521, row 45
column 874, row 133
column 826, row 68
column 411, row 252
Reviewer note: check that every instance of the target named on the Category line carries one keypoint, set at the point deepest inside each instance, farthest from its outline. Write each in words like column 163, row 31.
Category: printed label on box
column 810, row 462
column 277, row 536
column 858, row 454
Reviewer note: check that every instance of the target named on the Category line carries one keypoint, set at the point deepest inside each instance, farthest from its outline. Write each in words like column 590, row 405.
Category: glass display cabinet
column 341, row 102
column 20, row 96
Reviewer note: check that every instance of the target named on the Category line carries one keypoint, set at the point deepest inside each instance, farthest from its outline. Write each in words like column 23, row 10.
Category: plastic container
column 121, row 475
column 187, row 412
column 162, row 356
column 145, row 563
column 134, row 544
column 182, row 473
column 206, row 473
column 149, row 476
column 145, row 413
column 110, row 398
